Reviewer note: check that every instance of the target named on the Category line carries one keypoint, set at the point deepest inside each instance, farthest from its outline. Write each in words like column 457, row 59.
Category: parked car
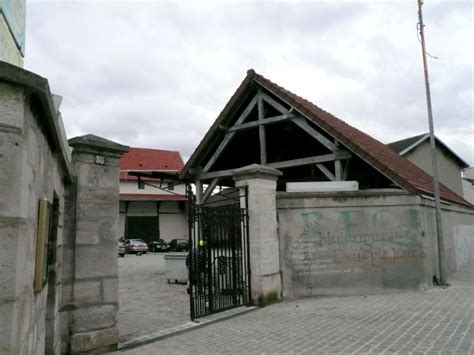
column 135, row 246
column 179, row 245
column 158, row 245
column 121, row 249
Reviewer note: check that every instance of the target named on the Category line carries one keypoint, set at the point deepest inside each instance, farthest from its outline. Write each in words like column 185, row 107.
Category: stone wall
column 75, row 308
column 363, row 242
column 31, row 168
column 89, row 304
column 458, row 232
column 353, row 243
column 464, row 244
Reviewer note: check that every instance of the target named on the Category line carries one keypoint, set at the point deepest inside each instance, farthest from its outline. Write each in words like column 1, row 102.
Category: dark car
column 158, row 245
column 179, row 245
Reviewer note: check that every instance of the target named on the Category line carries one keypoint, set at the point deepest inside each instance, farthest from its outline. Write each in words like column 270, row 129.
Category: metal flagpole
column 439, row 226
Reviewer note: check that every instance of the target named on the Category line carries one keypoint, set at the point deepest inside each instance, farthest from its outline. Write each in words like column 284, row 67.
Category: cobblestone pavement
column 436, row 321
column 148, row 303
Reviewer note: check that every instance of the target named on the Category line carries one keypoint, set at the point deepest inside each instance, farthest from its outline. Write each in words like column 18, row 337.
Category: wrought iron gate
column 218, row 261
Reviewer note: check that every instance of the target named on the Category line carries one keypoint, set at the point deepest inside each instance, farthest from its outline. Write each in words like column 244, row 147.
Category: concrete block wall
column 30, row 170
column 353, row 243
column 458, row 232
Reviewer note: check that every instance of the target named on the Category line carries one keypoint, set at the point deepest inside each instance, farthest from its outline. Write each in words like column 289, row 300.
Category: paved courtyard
column 148, row 303
column 436, row 321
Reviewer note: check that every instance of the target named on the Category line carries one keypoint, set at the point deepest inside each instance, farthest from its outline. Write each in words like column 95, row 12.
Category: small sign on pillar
column 99, row 160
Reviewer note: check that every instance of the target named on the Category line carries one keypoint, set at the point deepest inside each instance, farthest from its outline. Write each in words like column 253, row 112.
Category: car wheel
column 121, row 255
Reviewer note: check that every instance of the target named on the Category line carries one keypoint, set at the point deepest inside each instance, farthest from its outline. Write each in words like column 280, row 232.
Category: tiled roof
column 143, row 159
column 151, row 197
column 401, row 171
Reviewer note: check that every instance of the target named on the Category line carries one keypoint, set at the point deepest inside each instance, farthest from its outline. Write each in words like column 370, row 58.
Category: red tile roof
column 151, row 197
column 143, row 159
column 400, row 170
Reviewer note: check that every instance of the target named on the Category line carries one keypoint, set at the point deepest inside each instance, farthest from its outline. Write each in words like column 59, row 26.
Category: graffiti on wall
column 351, row 241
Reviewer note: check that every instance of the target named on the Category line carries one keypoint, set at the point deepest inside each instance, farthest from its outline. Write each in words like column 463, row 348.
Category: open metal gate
column 218, row 261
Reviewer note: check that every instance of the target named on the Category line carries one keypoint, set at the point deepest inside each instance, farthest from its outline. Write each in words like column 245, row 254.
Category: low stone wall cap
column 255, row 170
column 93, row 141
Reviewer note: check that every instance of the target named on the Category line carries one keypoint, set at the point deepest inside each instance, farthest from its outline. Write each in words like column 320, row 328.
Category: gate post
column 90, row 285
column 265, row 279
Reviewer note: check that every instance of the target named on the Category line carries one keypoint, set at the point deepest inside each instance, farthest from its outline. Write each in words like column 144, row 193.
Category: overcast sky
column 156, row 74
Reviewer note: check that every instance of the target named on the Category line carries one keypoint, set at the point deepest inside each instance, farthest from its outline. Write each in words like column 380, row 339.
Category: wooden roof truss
column 337, row 154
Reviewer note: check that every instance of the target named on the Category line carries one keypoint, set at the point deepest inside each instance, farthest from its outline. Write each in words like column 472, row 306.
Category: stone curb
column 183, row 328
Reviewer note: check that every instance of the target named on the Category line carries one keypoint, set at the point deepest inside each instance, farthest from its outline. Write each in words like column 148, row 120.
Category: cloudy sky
column 156, row 74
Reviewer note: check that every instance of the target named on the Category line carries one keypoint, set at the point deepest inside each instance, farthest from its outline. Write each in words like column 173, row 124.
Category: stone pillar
column 264, row 245
column 93, row 289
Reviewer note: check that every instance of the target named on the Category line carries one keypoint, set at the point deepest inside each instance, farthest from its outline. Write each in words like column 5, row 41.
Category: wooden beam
column 310, row 160
column 276, row 105
column 338, row 170
column 266, row 121
column 209, row 189
column 215, row 174
column 283, row 164
column 261, row 131
column 217, row 153
column 346, row 170
column 301, row 122
column 326, row 172
column 198, row 192
column 228, row 137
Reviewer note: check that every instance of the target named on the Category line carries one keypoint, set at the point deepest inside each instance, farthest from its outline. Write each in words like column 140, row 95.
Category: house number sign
column 99, row 160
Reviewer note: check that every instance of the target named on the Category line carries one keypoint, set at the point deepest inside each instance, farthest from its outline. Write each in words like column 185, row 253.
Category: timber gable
column 265, row 124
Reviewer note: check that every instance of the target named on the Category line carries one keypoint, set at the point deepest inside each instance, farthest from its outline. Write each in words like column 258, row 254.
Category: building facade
column 152, row 209
column 353, row 216
column 417, row 149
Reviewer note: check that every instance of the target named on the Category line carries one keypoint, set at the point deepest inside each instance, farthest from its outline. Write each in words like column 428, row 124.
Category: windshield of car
column 137, row 241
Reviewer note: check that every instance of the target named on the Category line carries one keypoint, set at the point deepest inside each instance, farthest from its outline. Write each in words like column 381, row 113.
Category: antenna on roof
column 439, row 226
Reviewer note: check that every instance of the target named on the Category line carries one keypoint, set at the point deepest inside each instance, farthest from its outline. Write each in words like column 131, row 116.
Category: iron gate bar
column 218, row 260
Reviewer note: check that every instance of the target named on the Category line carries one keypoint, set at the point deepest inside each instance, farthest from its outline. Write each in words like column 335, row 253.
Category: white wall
column 173, row 223
column 131, row 187
column 467, row 187
column 464, row 244
column 449, row 173
column 142, row 208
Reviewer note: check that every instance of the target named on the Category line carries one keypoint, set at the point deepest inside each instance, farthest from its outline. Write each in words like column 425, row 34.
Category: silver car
column 121, row 249
column 136, row 246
